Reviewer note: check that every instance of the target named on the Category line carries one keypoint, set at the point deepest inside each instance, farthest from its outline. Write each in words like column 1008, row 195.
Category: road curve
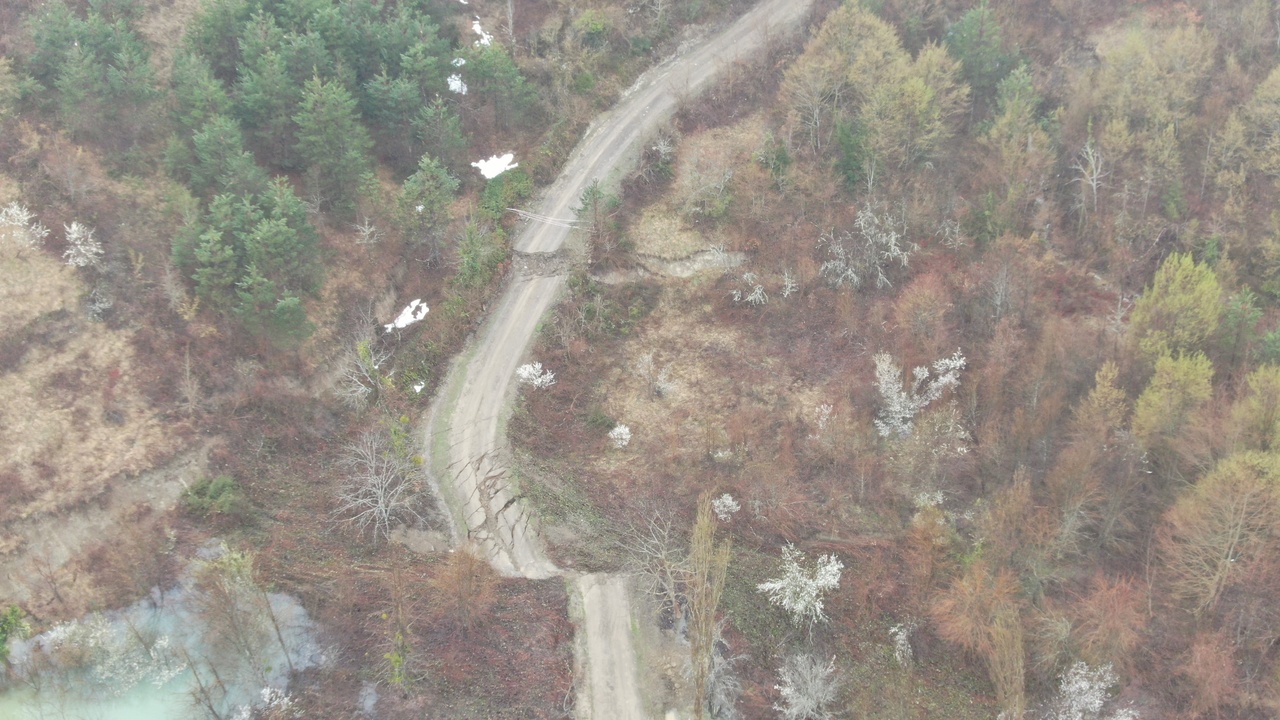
column 463, row 433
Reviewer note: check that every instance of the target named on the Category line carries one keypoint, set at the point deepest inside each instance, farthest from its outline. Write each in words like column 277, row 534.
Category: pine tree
column 333, row 143
column 424, row 204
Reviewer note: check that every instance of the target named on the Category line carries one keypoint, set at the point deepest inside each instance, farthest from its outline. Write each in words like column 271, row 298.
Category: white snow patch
column 458, row 62
column 410, row 315
column 496, row 165
column 456, row 84
column 485, row 38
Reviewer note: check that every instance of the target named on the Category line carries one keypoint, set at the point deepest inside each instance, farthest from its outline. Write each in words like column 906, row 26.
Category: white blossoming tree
column 1083, row 693
column 725, row 506
column 533, row 374
column 799, row 590
column 83, row 249
column 901, row 636
column 620, row 435
column 18, row 226
column 899, row 406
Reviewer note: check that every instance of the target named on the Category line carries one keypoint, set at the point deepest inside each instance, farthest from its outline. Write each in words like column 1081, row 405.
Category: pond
column 216, row 645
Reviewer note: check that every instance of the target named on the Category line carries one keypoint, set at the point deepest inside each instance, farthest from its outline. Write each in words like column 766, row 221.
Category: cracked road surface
column 467, row 414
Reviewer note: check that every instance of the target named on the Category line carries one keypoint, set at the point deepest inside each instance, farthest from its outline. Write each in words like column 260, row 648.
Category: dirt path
column 465, row 431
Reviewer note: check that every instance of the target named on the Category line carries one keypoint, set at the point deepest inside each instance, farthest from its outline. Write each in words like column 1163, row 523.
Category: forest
column 926, row 366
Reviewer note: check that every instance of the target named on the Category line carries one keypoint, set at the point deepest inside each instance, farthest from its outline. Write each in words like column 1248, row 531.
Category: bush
column 216, row 496
column 13, row 623
column 505, row 191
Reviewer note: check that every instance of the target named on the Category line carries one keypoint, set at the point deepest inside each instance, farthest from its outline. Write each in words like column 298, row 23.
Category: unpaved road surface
column 463, row 434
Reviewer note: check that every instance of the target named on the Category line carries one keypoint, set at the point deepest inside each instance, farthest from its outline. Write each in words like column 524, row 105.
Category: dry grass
column 74, row 416
column 661, row 229
column 659, row 232
column 33, row 285
column 725, row 388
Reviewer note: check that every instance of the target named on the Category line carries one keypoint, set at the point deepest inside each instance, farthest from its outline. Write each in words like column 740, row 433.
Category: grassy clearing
column 878, row 688
column 764, row 626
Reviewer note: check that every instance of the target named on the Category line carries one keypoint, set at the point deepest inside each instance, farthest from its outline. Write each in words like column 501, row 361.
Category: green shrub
column 216, row 496
column 598, row 419
column 13, row 623
column 505, row 191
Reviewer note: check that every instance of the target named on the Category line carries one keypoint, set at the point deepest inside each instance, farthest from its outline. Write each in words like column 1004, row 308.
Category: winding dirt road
column 464, row 433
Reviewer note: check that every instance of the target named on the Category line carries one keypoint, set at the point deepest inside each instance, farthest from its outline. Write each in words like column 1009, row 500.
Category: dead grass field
column 665, row 229
column 79, row 431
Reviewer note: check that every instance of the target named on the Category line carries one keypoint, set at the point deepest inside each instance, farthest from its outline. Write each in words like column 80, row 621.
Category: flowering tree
column 900, row 406
column 18, row 226
column 901, row 637
column 725, row 506
column 1083, row 693
column 533, row 374
column 620, row 435
column 83, row 249
column 799, row 590
column 274, row 705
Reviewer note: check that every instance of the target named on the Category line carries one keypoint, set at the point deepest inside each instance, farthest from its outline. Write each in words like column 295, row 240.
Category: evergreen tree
column 975, row 40
column 492, row 72
column 198, row 95
column 424, row 204
column 266, row 100
column 333, row 143
column 222, row 165
column 438, row 130
column 215, row 34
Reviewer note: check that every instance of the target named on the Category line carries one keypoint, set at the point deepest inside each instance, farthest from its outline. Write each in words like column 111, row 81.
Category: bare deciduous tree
column 658, row 378
column 1091, row 165
column 381, row 487
column 660, row 561
column 868, row 252
column 807, row 686
column 360, row 378
column 466, row 588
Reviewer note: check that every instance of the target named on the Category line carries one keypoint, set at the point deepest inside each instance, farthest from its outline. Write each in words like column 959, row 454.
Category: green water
column 135, row 663
column 144, row 702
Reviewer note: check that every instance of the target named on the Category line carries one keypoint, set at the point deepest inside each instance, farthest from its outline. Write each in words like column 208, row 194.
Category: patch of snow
column 410, row 315
column 496, row 165
column 458, row 62
column 457, row 85
column 485, row 38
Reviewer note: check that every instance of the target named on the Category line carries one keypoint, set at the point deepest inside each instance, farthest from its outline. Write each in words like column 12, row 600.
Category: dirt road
column 464, row 429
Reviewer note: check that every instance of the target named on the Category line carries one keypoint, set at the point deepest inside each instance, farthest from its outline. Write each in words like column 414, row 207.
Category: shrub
column 219, row 495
